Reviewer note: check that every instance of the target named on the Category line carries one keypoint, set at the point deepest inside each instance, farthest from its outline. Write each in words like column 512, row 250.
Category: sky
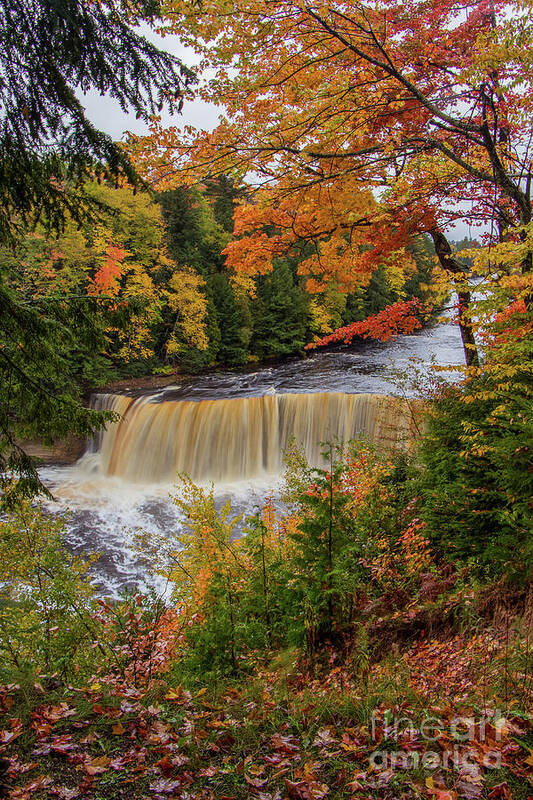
column 107, row 115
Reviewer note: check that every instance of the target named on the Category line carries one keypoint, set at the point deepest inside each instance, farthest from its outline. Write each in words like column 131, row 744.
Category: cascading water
column 235, row 439
column 222, row 427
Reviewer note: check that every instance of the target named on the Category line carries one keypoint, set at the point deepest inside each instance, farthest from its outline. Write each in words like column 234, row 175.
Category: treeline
column 269, row 316
column 149, row 289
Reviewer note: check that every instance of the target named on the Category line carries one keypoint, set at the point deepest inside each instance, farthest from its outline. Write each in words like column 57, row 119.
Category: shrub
column 296, row 578
column 46, row 598
column 476, row 474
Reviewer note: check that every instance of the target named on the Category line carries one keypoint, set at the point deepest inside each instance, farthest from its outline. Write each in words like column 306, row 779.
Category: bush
column 46, row 598
column 297, row 578
column 475, row 480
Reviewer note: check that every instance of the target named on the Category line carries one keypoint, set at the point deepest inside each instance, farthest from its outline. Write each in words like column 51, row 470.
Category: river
column 122, row 484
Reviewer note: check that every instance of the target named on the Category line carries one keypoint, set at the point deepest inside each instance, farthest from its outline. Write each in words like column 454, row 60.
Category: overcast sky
column 107, row 115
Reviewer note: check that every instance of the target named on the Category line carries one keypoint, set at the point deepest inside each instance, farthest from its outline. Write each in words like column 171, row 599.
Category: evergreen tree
column 48, row 52
column 223, row 193
column 378, row 293
column 194, row 237
column 280, row 318
column 232, row 349
column 195, row 240
column 423, row 253
column 355, row 307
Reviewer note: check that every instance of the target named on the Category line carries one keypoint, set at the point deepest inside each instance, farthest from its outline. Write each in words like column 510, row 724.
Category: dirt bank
column 65, row 451
column 145, row 382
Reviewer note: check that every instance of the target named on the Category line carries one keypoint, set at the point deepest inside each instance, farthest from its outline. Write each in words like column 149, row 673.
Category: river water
column 105, row 511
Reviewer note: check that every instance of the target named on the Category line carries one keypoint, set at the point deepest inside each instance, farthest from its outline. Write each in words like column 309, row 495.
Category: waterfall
column 228, row 440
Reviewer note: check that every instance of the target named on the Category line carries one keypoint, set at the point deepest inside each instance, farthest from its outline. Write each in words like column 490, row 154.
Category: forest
column 349, row 612
column 174, row 303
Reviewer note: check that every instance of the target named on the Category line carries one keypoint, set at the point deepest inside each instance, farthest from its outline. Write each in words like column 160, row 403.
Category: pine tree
column 48, row 51
column 48, row 147
column 194, row 237
column 378, row 293
column 232, row 349
column 223, row 192
column 423, row 252
column 280, row 320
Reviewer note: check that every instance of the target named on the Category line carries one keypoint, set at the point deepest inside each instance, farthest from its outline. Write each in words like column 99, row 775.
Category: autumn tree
column 127, row 251
column 193, row 342
column 111, row 268
column 426, row 105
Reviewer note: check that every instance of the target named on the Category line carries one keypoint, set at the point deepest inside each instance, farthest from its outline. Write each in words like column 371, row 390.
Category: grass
column 280, row 732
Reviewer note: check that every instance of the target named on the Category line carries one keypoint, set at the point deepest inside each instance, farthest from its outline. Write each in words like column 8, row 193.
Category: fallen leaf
column 118, row 729
column 42, row 782
column 97, row 766
column 64, row 793
column 175, row 694
column 257, row 783
column 7, row 736
column 165, row 786
column 500, row 791
column 306, row 790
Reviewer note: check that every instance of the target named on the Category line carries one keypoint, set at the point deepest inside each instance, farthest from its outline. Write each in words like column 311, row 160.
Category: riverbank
column 64, row 451
column 257, row 366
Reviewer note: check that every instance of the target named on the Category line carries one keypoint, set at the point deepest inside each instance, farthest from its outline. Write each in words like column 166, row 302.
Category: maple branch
column 474, row 171
column 501, row 176
column 388, row 67
column 470, row 137
column 311, row 62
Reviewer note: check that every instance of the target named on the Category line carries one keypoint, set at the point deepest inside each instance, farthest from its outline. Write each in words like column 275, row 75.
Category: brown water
column 241, row 438
column 230, row 428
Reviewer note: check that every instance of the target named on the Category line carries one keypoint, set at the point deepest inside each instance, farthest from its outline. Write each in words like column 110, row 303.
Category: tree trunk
column 527, row 263
column 451, row 265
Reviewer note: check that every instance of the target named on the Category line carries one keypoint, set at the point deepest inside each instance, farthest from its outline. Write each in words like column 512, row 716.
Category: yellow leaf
column 175, row 694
